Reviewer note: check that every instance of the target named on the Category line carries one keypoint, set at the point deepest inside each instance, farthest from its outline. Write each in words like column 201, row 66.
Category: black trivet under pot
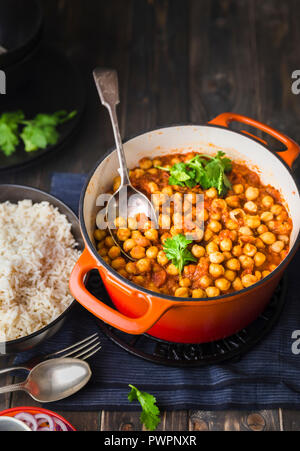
column 229, row 349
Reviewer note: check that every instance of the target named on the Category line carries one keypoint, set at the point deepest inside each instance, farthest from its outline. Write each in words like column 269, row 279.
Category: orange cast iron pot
column 182, row 320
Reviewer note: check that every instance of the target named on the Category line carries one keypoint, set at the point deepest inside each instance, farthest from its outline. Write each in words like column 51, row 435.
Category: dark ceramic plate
column 51, row 83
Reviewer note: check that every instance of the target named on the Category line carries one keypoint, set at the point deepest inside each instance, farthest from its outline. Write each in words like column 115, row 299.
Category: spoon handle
column 108, row 88
column 13, row 387
column 13, row 368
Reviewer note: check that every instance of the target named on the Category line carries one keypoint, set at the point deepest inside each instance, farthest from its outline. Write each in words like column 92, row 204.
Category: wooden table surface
column 179, row 61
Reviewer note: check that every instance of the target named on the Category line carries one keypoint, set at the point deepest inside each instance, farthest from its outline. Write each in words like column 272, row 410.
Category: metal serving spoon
column 126, row 199
column 53, row 380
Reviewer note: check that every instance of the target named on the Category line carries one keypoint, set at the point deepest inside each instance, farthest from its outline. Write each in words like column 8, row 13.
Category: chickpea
column 267, row 201
column 211, row 193
column 233, row 201
column 230, row 275
column 212, row 247
column 208, row 234
column 277, row 246
column 246, row 262
column 116, row 183
column 198, row 293
column 237, row 284
column 262, row 229
column 109, row 242
column 216, row 270
column 103, row 252
column 237, row 250
column 227, row 255
column 233, row 264
column 216, row 216
column 266, row 273
column 205, row 281
column 159, row 199
column 164, row 222
column 143, row 265
column 226, row 245
column 258, row 275
column 266, row 216
column 118, row 263
column 139, row 173
column 101, row 245
column 212, row 292
column 250, row 250
column 246, row 231
column 107, row 260
column 156, row 162
column 198, row 251
column 99, row 234
column 164, row 237
column 252, row 221
column 259, row 243
column 153, row 188
column 153, row 171
column 238, row 189
column 114, row 252
column 137, row 252
column 123, row 234
column 268, row 238
column 276, row 209
column 205, row 215
column 216, row 257
column 132, row 223
column 250, row 206
column 219, row 204
column 182, row 292
column 252, row 193
column 142, row 241
column 272, row 267
column 138, row 280
column 167, row 190
column 223, row 284
column 123, row 273
column 215, row 226
column 131, row 268
column 185, row 282
column 284, row 238
column 162, row 259
column 175, row 160
column 196, row 235
column 248, row 280
column 259, row 259
column 151, row 234
column 231, row 224
column 145, row 163
column 174, row 231
column 172, row 270
column 152, row 252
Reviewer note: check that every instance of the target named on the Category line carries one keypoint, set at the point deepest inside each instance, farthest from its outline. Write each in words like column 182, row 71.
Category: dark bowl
column 20, row 29
column 14, row 193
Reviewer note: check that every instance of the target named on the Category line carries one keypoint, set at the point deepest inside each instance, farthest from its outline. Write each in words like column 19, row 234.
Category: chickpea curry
column 245, row 234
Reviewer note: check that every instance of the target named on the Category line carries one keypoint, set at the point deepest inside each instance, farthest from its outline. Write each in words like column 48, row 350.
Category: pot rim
column 20, row 340
column 225, row 297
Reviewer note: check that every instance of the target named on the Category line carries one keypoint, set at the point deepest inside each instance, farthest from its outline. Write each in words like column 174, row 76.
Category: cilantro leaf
column 9, row 139
column 150, row 415
column 176, row 250
column 41, row 131
column 207, row 172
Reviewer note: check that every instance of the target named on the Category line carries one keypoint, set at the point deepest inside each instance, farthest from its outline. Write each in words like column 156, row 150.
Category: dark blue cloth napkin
column 267, row 377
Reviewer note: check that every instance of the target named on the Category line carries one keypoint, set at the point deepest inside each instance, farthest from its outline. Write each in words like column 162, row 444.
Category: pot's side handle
column 136, row 326
column 289, row 155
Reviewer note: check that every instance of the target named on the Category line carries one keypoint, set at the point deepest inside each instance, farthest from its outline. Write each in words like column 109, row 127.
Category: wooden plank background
column 179, row 61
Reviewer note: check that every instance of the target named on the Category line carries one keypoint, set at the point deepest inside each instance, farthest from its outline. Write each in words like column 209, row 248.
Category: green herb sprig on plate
column 206, row 171
column 150, row 415
column 176, row 249
column 37, row 133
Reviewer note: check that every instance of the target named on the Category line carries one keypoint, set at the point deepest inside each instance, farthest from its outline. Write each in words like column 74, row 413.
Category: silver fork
column 83, row 350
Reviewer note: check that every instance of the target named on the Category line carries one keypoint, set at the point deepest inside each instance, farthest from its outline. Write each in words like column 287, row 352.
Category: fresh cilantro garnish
column 37, row 133
column 207, row 172
column 150, row 415
column 176, row 250
column 9, row 139
column 41, row 132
